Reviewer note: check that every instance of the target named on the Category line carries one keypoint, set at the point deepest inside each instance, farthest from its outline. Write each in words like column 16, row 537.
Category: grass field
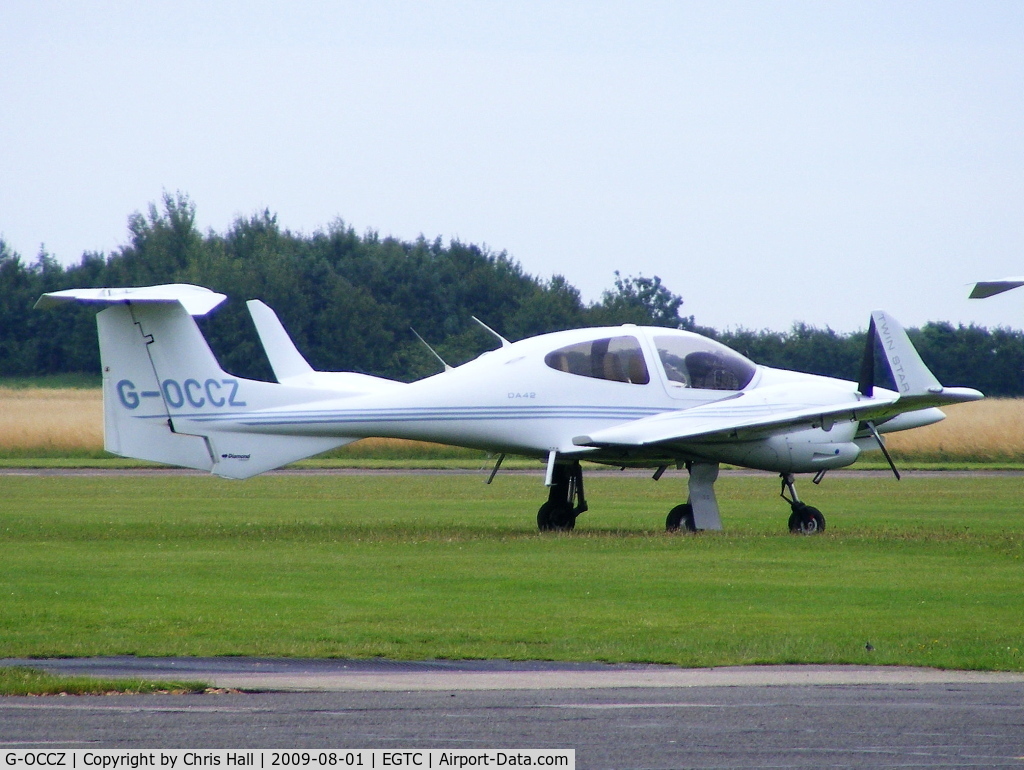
column 930, row 571
column 20, row 680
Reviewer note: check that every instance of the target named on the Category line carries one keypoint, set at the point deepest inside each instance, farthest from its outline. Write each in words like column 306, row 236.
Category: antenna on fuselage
column 443, row 362
column 504, row 342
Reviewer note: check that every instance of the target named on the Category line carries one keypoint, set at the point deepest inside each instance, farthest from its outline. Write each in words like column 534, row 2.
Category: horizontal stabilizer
column 197, row 300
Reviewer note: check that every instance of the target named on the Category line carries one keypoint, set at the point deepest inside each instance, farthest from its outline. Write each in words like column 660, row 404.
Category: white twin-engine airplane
column 622, row 396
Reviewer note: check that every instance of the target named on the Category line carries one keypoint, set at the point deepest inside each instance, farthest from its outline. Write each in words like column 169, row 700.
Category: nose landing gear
column 805, row 519
column 565, row 499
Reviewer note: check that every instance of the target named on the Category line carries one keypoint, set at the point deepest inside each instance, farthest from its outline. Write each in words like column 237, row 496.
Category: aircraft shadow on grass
column 625, row 396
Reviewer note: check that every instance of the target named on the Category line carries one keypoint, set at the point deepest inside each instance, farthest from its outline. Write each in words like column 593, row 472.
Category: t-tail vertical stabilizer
column 165, row 396
column 914, row 380
column 136, row 419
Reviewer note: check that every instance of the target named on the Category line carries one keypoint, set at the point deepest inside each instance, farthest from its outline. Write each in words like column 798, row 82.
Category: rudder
column 136, row 421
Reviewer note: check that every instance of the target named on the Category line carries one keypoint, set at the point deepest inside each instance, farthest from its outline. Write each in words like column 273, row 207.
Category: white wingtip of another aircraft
column 983, row 289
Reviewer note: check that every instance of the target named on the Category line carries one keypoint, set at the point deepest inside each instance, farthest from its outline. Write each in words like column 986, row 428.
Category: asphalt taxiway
column 614, row 716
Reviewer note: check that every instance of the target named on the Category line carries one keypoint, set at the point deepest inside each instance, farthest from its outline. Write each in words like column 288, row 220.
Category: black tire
column 553, row 517
column 806, row 520
column 818, row 522
column 794, row 520
column 680, row 517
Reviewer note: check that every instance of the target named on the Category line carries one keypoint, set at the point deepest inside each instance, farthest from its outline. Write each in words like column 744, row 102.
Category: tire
column 806, row 520
column 794, row 521
column 553, row 517
column 680, row 518
column 818, row 520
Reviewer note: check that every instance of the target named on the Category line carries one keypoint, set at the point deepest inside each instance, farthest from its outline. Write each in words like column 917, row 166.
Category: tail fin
column 166, row 398
column 914, row 380
column 136, row 418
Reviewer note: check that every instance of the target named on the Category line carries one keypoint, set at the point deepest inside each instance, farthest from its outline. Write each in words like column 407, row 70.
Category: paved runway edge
column 553, row 680
column 298, row 675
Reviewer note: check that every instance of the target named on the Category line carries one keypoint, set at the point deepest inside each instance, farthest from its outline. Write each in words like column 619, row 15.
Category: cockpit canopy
column 689, row 361
column 697, row 362
column 618, row 359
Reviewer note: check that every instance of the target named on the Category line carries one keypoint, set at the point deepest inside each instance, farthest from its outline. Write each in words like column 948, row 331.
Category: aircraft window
column 617, row 358
column 695, row 362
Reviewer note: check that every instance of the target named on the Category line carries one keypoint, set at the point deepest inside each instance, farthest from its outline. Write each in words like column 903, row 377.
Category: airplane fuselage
column 515, row 400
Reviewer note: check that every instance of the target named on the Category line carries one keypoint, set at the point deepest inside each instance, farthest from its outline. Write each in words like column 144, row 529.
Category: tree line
column 350, row 302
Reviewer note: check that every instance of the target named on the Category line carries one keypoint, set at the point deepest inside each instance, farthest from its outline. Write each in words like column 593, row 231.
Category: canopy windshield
column 697, row 362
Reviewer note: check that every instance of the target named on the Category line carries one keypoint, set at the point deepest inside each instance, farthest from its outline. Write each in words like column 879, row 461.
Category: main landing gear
column 805, row 519
column 565, row 499
column 700, row 511
column 680, row 518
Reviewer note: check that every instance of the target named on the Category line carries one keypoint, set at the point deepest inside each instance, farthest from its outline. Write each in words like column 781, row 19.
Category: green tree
column 640, row 300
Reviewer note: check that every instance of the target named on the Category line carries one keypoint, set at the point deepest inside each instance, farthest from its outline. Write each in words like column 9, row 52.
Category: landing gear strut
column 805, row 519
column 565, row 499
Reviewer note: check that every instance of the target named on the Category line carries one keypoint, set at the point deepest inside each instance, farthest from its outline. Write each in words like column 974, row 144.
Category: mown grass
column 930, row 571
column 24, row 680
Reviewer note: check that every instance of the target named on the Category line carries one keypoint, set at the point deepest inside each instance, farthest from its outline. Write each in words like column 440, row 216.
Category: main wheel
column 555, row 517
column 806, row 520
column 680, row 517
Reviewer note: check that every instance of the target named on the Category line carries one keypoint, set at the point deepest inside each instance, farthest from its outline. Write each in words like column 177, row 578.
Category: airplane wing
column 762, row 412
column 755, row 415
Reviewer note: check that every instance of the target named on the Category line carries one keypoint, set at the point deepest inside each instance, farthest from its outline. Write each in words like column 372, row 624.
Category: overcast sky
column 772, row 162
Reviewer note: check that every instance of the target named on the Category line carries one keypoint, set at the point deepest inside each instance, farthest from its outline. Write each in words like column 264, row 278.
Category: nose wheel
column 565, row 500
column 805, row 519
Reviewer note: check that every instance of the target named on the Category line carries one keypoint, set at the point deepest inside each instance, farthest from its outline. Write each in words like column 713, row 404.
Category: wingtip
column 985, row 289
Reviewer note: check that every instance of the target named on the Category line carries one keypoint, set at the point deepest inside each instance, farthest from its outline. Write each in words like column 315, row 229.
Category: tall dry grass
column 49, row 422
column 57, row 422
column 986, row 431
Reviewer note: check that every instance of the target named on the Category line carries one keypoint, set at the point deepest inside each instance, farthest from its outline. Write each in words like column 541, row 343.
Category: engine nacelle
column 808, row 451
